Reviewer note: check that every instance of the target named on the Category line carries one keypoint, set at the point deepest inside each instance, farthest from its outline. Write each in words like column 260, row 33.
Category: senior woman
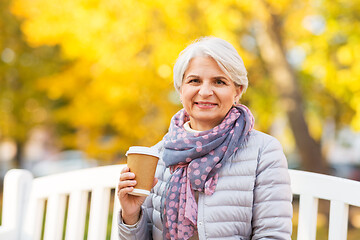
column 217, row 177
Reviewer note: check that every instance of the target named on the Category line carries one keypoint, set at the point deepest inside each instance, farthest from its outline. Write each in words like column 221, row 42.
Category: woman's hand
column 130, row 204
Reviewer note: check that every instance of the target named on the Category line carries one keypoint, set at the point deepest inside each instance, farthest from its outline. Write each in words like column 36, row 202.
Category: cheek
column 185, row 95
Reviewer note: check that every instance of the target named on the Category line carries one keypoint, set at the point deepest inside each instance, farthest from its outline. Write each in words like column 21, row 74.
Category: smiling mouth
column 205, row 104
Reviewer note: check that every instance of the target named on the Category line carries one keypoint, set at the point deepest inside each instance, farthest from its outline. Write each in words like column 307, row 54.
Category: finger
column 127, row 176
column 127, row 183
column 123, row 192
column 125, row 169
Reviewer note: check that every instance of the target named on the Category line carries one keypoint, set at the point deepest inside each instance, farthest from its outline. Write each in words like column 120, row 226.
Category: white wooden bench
column 54, row 196
column 311, row 187
column 64, row 198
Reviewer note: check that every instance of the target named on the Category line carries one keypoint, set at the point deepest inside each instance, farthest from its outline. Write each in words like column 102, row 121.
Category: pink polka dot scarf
column 194, row 160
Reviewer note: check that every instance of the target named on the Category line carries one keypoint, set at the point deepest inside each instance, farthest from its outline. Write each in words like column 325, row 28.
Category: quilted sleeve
column 272, row 209
column 137, row 232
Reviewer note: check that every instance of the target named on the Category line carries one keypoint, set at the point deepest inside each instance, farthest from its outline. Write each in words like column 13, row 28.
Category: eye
column 220, row 82
column 194, row 80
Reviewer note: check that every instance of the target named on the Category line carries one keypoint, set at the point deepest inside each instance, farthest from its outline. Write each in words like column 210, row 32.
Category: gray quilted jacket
column 252, row 199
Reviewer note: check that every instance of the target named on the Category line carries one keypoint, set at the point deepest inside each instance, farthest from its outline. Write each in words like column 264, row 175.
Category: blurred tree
column 118, row 88
column 300, row 50
column 22, row 106
column 269, row 35
column 301, row 57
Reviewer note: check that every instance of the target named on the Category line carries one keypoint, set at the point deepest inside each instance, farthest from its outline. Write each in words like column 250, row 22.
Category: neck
column 198, row 126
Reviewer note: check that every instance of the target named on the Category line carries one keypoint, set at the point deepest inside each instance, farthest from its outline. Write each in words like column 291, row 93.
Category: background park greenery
column 98, row 74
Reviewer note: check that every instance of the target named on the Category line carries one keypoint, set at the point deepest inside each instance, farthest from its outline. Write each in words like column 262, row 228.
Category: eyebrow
column 193, row 76
column 221, row 77
column 197, row 76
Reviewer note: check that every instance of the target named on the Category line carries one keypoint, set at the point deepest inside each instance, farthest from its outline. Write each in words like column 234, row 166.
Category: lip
column 205, row 105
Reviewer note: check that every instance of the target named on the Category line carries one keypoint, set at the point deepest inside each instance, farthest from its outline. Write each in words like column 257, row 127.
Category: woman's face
column 207, row 93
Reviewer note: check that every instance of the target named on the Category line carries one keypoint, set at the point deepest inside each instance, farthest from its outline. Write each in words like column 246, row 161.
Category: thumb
column 155, row 181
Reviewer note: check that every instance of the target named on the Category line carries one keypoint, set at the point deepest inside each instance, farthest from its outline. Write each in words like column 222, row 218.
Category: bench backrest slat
column 55, row 213
column 308, row 207
column 338, row 222
column 75, row 224
column 99, row 210
column 114, row 225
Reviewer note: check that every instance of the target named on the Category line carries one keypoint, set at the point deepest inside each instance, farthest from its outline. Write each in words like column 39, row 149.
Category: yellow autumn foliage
column 117, row 87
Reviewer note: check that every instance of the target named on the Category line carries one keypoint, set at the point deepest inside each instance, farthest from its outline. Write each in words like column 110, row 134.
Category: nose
column 205, row 90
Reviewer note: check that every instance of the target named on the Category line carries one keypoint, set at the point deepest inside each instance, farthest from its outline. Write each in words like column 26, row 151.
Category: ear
column 180, row 93
column 238, row 90
column 180, row 96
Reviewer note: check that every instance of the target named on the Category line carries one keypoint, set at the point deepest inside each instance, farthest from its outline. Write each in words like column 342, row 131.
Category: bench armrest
column 17, row 185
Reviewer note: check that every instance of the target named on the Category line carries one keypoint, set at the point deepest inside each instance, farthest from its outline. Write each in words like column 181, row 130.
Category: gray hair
column 221, row 51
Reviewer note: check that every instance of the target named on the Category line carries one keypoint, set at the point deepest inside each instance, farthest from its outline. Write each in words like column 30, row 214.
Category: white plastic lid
column 139, row 192
column 143, row 150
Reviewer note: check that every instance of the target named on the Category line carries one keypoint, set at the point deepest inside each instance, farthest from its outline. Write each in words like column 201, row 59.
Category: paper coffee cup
column 142, row 161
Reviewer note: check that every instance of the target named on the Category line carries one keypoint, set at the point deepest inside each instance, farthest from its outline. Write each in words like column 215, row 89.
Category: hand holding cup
column 136, row 181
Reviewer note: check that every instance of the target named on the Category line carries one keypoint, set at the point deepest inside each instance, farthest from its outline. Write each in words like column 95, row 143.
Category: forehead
column 203, row 65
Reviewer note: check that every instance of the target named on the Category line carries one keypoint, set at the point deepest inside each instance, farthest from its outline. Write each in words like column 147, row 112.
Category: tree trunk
column 273, row 53
column 19, row 153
